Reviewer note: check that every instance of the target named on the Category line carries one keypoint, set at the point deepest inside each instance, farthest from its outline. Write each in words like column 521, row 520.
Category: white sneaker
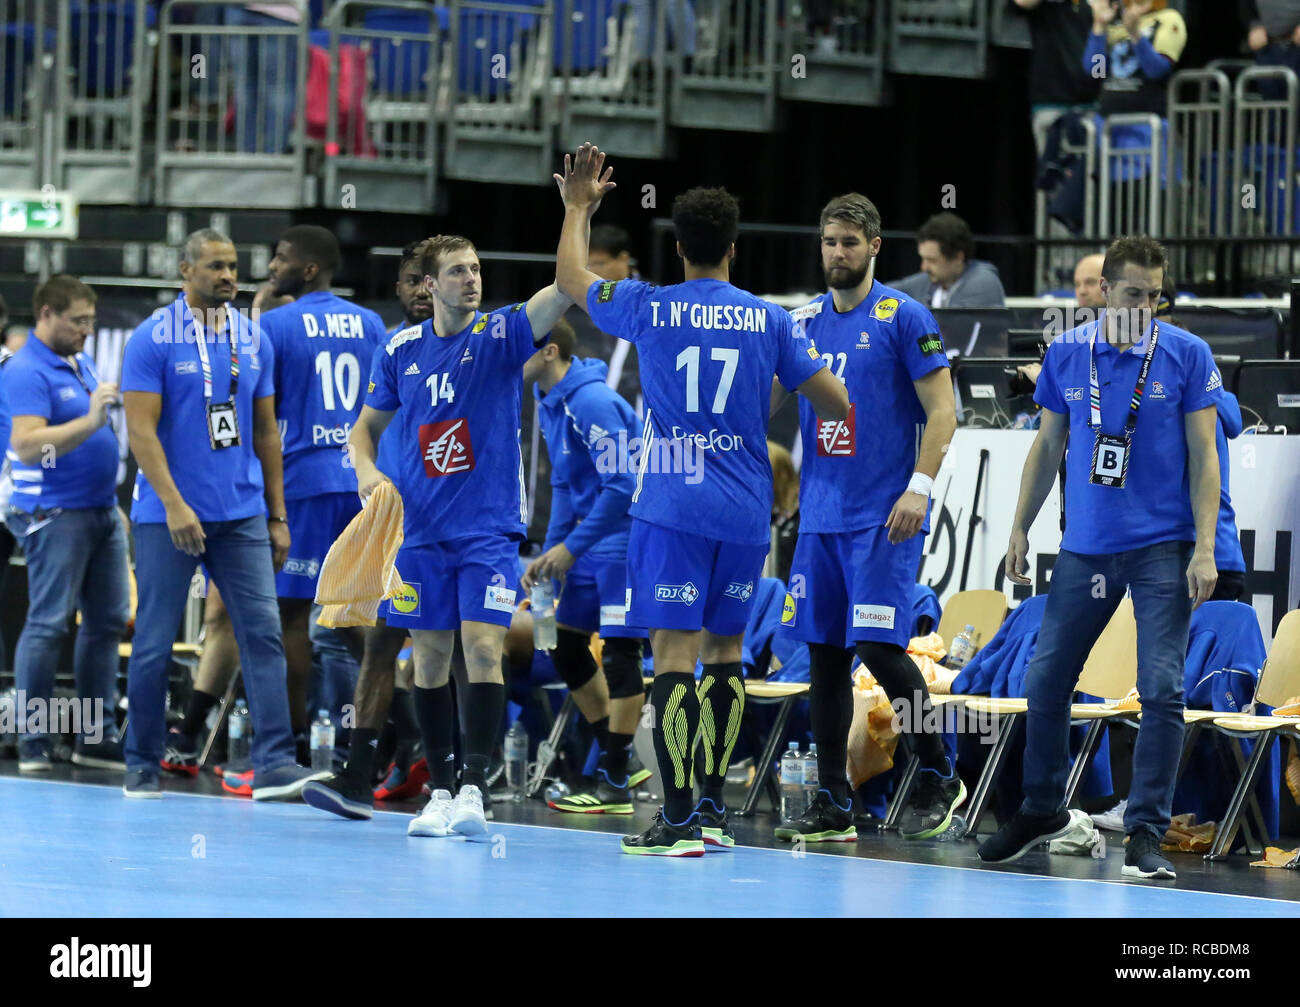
column 467, row 818
column 435, row 819
column 1112, row 820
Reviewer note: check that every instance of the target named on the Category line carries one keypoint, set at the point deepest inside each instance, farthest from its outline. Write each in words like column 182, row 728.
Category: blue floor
column 79, row 850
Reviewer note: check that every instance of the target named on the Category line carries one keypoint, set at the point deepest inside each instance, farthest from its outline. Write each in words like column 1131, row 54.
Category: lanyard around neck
column 1094, row 387
column 200, row 338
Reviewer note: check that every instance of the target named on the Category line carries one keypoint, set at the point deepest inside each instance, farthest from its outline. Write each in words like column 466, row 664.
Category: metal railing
column 726, row 63
column 1054, row 263
column 230, row 127
column 104, row 65
column 946, row 38
column 26, row 40
column 1264, row 165
column 1132, row 163
column 1196, row 201
column 834, row 51
column 381, row 134
column 1008, row 25
column 610, row 77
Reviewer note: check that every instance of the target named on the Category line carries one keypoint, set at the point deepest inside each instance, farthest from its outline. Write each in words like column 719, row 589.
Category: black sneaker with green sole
column 665, row 840
column 823, row 822
column 603, row 799
column 929, row 812
column 714, row 828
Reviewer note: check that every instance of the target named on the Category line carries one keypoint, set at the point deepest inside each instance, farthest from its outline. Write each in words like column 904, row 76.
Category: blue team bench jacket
column 588, row 427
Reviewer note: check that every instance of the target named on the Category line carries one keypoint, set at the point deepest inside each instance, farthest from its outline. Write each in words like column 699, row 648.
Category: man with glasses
column 63, row 512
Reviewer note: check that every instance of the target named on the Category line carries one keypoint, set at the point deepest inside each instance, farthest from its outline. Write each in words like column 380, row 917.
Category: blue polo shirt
column 1155, row 504
column 162, row 357
column 39, row 382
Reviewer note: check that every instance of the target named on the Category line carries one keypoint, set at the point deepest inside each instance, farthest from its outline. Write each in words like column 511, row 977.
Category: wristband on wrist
column 920, row 483
column 282, row 520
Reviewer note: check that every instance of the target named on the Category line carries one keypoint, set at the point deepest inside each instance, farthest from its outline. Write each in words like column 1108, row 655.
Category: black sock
column 722, row 704
column 432, row 708
column 830, row 709
column 903, row 682
column 405, row 717
column 616, row 756
column 484, row 705
column 196, row 713
column 677, row 718
column 361, row 755
column 600, row 728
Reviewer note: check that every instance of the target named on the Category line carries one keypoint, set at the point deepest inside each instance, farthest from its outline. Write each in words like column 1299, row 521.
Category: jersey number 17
column 690, row 359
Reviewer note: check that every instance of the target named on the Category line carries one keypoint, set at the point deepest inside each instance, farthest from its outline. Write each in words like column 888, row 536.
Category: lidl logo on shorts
column 685, row 593
column 301, row 567
column 874, row 616
column 740, row 592
column 885, row 309
column 787, row 611
column 408, row 602
column 499, row 599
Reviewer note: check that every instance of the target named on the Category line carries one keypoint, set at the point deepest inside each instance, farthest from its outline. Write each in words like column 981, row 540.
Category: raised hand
column 586, row 180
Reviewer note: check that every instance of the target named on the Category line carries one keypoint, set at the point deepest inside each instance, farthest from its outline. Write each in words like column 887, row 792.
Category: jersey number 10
column 690, row 359
column 342, row 373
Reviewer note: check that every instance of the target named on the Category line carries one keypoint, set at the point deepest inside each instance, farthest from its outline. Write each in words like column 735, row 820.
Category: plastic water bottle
column 238, row 731
column 963, row 648
column 791, row 783
column 517, row 759
column 809, row 776
column 322, row 741
column 542, row 602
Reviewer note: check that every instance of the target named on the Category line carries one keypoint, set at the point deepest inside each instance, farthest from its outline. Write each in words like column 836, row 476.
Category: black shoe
column 1021, row 834
column 823, row 822
column 934, row 799
column 603, row 799
column 1143, row 859
column 340, row 795
column 664, row 840
column 714, row 829
column 106, row 754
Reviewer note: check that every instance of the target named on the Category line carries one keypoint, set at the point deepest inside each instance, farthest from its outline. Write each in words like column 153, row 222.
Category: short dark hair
column 951, row 232
column 564, row 338
column 705, row 222
column 610, row 239
column 1137, row 249
column 430, row 251
column 855, row 210
column 314, row 244
column 408, row 253
column 58, row 292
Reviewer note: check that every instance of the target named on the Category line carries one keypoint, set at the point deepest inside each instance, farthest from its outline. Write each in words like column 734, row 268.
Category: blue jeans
column 77, row 561
column 338, row 678
column 644, row 13
column 238, row 556
column 265, row 68
column 1072, row 621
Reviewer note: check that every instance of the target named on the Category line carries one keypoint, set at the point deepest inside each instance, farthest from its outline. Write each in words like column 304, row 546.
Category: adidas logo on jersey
column 413, row 369
column 467, row 356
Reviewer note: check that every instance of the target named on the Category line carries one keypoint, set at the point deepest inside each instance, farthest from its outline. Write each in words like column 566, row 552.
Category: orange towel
column 359, row 570
column 1185, row 836
column 1275, row 857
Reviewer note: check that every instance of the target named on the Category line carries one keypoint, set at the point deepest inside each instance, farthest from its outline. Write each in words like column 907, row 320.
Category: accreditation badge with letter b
column 1110, row 460
column 223, row 425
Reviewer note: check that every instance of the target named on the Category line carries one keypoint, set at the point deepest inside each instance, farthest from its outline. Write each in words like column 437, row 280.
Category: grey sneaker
column 1143, row 859
column 284, row 783
column 141, row 783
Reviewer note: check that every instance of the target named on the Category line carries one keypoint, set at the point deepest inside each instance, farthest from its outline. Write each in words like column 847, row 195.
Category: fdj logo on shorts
column 685, row 593
column 838, row 438
column 408, row 602
column 740, row 592
column 445, row 447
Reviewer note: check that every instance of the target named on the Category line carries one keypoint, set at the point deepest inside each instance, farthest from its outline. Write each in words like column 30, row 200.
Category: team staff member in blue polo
column 63, row 511
column 1138, row 397
column 200, row 411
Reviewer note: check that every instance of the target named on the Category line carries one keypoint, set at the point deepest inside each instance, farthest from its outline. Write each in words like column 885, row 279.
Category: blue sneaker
column 1143, row 859
column 107, row 754
column 284, row 783
column 34, row 756
column 141, row 783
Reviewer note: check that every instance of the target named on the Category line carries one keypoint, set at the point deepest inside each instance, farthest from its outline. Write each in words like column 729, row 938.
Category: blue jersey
column 707, row 352
column 458, row 463
column 323, row 348
column 1227, row 544
column 161, row 357
column 854, row 470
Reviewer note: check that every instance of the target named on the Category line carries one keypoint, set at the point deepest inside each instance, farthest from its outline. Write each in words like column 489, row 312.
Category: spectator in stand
column 1133, row 53
column 265, row 69
column 1057, row 84
column 1274, row 35
column 950, row 276
column 1087, row 282
column 15, row 336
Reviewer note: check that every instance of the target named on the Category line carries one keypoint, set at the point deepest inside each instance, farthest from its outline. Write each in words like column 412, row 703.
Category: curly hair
column 706, row 222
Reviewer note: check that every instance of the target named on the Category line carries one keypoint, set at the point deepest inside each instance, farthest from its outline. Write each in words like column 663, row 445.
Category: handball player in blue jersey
column 452, row 386
column 702, row 500
column 864, row 504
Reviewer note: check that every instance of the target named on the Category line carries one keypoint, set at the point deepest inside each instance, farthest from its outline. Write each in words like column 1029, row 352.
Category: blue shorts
column 594, row 598
column 847, row 587
column 689, row 582
column 471, row 579
column 314, row 524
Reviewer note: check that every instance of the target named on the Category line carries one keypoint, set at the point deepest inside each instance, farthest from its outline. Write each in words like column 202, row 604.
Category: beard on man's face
column 844, row 278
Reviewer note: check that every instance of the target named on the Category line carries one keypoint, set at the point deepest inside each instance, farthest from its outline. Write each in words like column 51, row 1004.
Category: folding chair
column 765, row 774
